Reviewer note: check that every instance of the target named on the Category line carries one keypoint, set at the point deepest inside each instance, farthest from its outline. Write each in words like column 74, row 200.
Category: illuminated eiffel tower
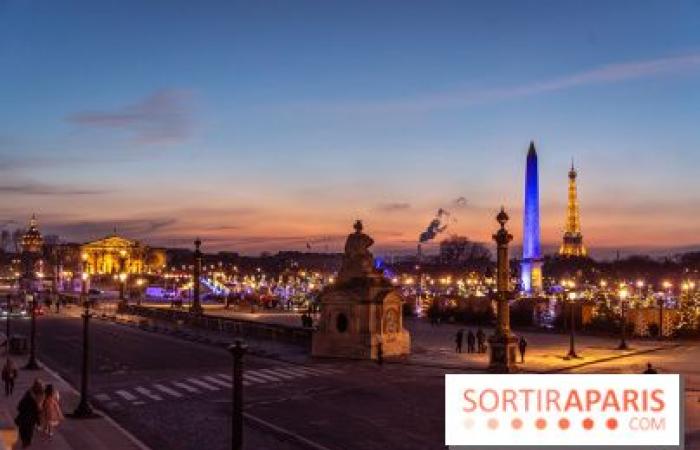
column 573, row 239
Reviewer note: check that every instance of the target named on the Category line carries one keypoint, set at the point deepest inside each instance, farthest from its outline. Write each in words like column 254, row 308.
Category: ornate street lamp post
column 502, row 343
column 572, row 325
column 84, row 409
column 624, row 304
column 196, row 307
column 7, row 324
column 123, row 276
column 32, row 364
column 237, row 350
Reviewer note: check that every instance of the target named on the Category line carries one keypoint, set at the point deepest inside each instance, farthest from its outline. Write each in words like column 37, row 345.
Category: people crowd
column 476, row 342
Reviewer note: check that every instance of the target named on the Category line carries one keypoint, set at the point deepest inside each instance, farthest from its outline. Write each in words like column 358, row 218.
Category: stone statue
column 358, row 261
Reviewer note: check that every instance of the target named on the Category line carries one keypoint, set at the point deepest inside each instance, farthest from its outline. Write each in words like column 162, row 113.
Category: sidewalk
column 88, row 434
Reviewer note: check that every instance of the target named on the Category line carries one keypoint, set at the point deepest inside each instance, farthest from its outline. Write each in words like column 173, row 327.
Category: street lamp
column 84, row 409
column 572, row 336
column 32, row 364
column 139, row 284
column 623, row 304
column 122, row 288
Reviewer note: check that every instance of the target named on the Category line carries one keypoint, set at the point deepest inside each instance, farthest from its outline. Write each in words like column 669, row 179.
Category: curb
column 134, row 440
column 281, row 433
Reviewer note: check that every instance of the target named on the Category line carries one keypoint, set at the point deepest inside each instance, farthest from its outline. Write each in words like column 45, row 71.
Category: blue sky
column 266, row 125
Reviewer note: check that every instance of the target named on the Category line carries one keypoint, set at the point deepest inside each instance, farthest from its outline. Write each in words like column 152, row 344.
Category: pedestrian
column 480, row 339
column 51, row 414
column 650, row 370
column 458, row 340
column 9, row 375
column 28, row 412
column 522, row 346
column 471, row 342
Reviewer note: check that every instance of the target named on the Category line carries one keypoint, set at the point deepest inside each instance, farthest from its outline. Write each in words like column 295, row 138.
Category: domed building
column 31, row 244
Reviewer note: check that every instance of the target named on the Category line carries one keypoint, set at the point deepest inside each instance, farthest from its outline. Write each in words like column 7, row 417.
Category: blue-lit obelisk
column 531, row 266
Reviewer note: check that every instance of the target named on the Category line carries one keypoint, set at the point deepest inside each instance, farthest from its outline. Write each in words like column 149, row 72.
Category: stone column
column 502, row 344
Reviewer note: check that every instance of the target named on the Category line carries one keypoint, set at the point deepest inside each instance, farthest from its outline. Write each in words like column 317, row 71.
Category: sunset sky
column 264, row 125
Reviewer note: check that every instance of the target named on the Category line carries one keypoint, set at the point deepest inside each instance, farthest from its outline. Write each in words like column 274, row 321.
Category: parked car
column 93, row 291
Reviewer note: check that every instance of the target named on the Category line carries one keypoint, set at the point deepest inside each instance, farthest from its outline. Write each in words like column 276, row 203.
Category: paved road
column 175, row 394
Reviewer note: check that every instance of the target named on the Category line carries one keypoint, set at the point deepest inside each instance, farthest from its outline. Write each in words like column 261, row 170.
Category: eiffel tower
column 573, row 239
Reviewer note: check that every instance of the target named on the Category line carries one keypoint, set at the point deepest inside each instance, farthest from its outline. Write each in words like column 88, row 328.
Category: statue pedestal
column 359, row 317
column 502, row 354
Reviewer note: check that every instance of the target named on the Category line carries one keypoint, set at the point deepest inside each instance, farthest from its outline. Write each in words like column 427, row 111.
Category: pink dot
column 516, row 424
column 541, row 424
column 493, row 423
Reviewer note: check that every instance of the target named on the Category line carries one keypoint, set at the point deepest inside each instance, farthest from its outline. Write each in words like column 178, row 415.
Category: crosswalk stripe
column 186, row 387
column 256, row 373
column 229, row 378
column 126, row 395
column 253, row 378
column 167, row 390
column 296, row 371
column 102, row 397
column 202, row 384
column 317, row 371
column 225, row 376
column 148, row 393
column 219, row 382
column 277, row 373
column 292, row 372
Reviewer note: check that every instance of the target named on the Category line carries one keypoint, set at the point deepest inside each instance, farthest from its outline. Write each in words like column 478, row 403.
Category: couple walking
column 38, row 408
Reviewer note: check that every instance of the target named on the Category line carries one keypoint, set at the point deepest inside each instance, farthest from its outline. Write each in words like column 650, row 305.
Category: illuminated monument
column 573, row 239
column 531, row 266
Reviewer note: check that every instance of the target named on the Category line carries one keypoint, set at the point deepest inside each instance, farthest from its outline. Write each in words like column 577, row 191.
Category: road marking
column 256, row 373
column 316, row 371
column 126, row 395
column 219, row 382
column 229, row 378
column 295, row 371
column 202, row 384
column 148, row 393
column 275, row 372
column 167, row 390
column 102, row 397
column 186, row 387
column 253, row 378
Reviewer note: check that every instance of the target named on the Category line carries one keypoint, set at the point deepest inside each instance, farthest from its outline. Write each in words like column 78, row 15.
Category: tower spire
column 573, row 239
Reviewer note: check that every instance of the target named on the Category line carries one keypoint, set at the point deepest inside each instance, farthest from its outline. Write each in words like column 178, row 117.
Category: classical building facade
column 115, row 254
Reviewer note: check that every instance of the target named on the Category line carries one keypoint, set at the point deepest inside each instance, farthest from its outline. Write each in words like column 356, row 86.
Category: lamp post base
column 196, row 309
column 31, row 365
column 623, row 346
column 502, row 356
column 571, row 355
column 84, row 411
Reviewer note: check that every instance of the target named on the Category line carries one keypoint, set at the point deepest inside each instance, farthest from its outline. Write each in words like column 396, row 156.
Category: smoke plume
column 435, row 227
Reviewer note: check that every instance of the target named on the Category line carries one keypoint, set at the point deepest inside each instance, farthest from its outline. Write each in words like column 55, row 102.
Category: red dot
column 493, row 423
column 587, row 424
column 611, row 423
column 517, row 424
column 541, row 424
column 564, row 424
